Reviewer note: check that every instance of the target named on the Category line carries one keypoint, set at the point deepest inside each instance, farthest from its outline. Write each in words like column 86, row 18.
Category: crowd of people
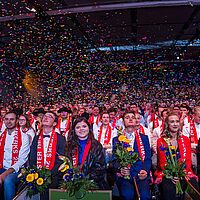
column 89, row 137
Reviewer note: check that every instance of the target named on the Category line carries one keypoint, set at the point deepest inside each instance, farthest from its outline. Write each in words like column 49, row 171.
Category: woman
column 181, row 148
column 25, row 127
column 87, row 152
column 104, row 134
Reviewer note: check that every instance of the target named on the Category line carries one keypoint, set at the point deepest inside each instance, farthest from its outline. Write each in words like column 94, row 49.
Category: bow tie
column 46, row 136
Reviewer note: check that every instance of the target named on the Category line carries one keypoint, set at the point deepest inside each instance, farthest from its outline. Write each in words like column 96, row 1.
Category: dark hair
column 56, row 116
column 165, row 110
column 73, row 138
column 27, row 125
column 12, row 112
column 127, row 113
column 111, row 110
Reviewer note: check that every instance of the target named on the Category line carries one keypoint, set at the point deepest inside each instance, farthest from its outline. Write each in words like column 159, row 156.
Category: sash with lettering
column 193, row 133
column 85, row 153
column 16, row 145
column 107, row 134
column 51, row 151
column 91, row 119
column 67, row 125
column 140, row 145
column 182, row 148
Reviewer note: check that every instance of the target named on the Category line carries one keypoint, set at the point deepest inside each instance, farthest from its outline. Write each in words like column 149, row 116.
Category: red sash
column 193, row 133
column 17, row 143
column 114, row 123
column 182, row 148
column 107, row 134
column 85, row 153
column 51, row 151
column 140, row 146
column 91, row 119
column 155, row 123
column 67, row 125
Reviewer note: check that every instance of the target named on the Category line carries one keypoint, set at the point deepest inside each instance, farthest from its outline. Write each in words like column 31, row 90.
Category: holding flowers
column 129, row 167
column 36, row 180
column 174, row 159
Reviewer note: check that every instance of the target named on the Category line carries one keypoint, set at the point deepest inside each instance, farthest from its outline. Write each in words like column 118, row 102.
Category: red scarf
column 182, row 148
column 91, row 119
column 51, row 151
column 85, row 153
column 107, row 134
column 193, row 133
column 140, row 146
column 155, row 123
column 17, row 143
column 114, row 123
column 67, row 125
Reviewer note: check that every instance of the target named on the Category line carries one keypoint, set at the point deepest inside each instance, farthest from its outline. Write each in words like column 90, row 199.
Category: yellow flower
column 172, row 147
column 121, row 138
column 30, row 178
column 40, row 181
column 130, row 149
column 127, row 140
column 65, row 168
column 36, row 175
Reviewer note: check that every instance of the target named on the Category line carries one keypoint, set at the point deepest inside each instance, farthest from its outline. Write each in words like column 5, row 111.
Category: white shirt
column 23, row 153
column 97, row 130
column 186, row 130
column 131, row 136
column 46, row 144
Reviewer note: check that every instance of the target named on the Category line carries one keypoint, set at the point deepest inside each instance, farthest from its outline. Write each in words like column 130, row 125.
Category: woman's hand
column 142, row 175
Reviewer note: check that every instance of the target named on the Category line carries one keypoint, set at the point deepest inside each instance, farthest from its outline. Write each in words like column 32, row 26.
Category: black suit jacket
column 60, row 148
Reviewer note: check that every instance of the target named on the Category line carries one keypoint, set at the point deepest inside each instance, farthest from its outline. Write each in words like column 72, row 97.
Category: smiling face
column 82, row 130
column 173, row 123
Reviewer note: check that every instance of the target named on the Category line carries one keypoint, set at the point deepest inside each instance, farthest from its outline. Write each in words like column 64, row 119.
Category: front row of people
column 88, row 153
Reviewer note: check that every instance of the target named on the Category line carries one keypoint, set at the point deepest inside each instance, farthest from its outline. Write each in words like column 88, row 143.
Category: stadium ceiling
column 120, row 25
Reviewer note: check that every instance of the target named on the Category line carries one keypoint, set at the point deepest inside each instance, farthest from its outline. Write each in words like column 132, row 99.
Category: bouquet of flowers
column 174, row 168
column 36, row 180
column 125, row 154
column 75, row 182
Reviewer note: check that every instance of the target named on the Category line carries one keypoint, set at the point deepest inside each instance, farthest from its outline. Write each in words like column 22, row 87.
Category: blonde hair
column 166, row 132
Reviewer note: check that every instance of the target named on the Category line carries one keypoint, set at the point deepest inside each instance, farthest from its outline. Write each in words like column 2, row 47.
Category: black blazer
column 60, row 148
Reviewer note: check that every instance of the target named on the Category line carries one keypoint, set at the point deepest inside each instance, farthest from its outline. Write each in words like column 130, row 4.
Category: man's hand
column 142, row 175
column 125, row 171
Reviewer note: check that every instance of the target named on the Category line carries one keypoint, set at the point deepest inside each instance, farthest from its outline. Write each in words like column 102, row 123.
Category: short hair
column 12, row 112
column 127, row 113
column 111, row 110
column 56, row 116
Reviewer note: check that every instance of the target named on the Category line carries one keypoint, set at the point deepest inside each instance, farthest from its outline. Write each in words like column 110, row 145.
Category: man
column 134, row 108
column 46, row 148
column 156, row 119
column 64, row 121
column 114, row 122
column 95, row 117
column 14, row 150
column 192, row 130
column 185, row 111
column 141, row 169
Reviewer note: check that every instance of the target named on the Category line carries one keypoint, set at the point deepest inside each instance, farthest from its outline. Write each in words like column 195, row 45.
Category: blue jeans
column 127, row 190
column 10, row 185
